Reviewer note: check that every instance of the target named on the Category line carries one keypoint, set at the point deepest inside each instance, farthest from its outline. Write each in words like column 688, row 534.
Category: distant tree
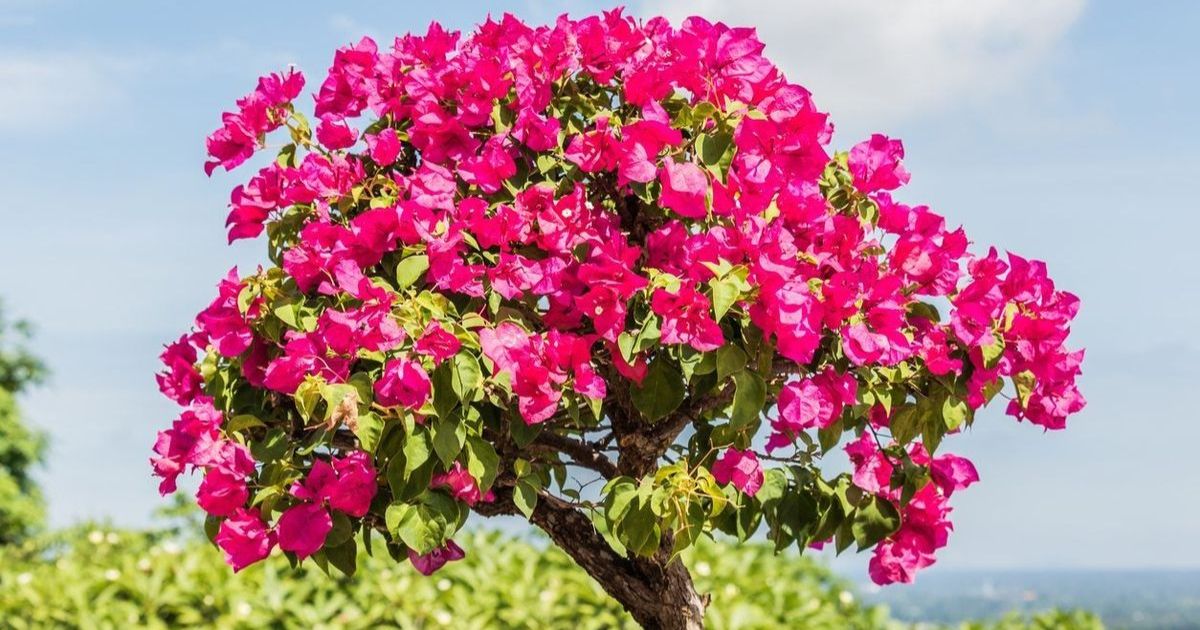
column 21, row 448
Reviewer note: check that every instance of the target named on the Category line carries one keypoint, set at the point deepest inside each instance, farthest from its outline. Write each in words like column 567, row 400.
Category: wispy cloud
column 350, row 28
column 17, row 13
column 42, row 89
column 896, row 60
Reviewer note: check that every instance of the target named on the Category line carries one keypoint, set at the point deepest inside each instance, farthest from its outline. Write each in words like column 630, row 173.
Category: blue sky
column 1060, row 129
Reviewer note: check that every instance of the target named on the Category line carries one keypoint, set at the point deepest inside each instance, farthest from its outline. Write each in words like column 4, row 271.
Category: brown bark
column 658, row 593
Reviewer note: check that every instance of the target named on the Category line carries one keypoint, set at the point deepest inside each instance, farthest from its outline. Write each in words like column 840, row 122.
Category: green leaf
column 661, row 392
column 409, row 472
column 874, row 522
column 631, row 344
column 730, row 360
column 445, row 399
column 406, row 523
column 482, row 461
column 466, row 376
column 525, row 496
column 725, row 293
column 625, row 343
column 954, row 412
column 829, row 437
column 307, row 395
column 639, row 530
column 992, row 353
column 426, row 525
column 342, row 530
column 416, row 451
column 448, row 439
column 711, row 147
column 748, row 399
column 410, row 269
column 247, row 296
column 523, row 434
column 288, row 313
column 343, row 557
column 906, row 423
column 272, row 447
column 618, row 495
column 242, row 422
column 369, row 430
column 335, row 394
column 1023, row 382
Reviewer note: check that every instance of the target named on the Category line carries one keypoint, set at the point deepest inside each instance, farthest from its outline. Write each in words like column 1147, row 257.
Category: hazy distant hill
column 1124, row 599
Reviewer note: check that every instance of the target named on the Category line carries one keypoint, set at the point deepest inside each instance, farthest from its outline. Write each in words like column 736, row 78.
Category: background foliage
column 97, row 578
column 22, row 509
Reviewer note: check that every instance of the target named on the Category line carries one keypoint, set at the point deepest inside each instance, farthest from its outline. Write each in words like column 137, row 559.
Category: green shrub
column 121, row 579
column 102, row 578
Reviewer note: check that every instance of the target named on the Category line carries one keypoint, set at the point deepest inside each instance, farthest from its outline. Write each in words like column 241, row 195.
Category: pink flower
column 515, row 275
column 595, row 150
column 403, row 383
column 506, row 345
column 952, row 473
column 181, row 381
column 684, row 189
column 334, row 133
column 924, row 529
column 634, row 370
column 686, row 318
column 440, row 137
column 741, row 468
column 437, row 343
column 429, row 563
column 610, row 284
column 223, row 322
column 221, row 493
column 194, row 433
column 872, row 469
column 302, row 529
column 875, row 164
column 490, row 168
column 383, row 147
column 793, row 315
column 815, row 402
column 370, row 327
column 536, row 131
column 304, row 355
column 244, row 538
column 355, row 486
column 539, row 366
column 347, row 483
column 880, row 337
column 259, row 112
column 719, row 62
column 641, row 142
column 273, row 188
column 347, row 88
column 460, row 484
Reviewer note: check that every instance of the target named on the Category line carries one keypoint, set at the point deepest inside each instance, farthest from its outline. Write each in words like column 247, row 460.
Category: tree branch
column 657, row 591
column 581, row 453
column 641, row 445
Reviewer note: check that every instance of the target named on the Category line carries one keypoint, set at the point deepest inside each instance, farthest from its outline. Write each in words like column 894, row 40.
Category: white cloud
column 57, row 88
column 882, row 61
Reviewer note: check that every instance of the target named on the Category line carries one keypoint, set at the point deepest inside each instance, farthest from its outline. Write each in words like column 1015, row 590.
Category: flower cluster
column 259, row 112
column 536, row 230
column 925, row 519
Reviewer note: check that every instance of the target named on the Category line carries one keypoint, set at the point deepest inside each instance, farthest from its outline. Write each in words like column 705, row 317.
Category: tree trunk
column 657, row 593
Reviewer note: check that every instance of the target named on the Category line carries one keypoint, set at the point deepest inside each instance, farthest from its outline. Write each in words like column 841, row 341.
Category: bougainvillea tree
column 606, row 274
